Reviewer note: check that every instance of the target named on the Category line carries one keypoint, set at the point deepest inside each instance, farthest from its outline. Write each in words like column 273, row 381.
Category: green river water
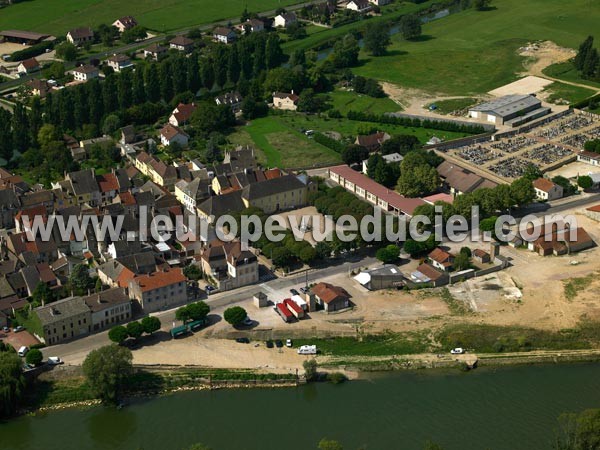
column 505, row 409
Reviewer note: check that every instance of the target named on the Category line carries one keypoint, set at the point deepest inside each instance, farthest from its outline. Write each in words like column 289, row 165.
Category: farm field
column 472, row 52
column 567, row 72
column 58, row 16
column 561, row 92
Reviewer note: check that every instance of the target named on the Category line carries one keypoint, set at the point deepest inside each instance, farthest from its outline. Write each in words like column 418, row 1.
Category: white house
column 224, row 35
column 170, row 134
column 547, row 190
column 360, row 6
column 125, row 23
column 28, row 66
column 285, row 101
column 85, row 72
column 285, row 20
column 119, row 62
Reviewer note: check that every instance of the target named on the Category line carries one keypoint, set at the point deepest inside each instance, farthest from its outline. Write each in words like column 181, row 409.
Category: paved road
column 79, row 348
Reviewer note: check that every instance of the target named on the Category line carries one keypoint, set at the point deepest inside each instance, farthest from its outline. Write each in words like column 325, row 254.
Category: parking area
column 18, row 339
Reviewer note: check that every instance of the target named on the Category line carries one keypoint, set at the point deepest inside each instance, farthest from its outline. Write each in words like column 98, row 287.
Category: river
column 499, row 409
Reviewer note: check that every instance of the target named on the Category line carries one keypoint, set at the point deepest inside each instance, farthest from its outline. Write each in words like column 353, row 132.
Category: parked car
column 288, row 343
column 307, row 350
column 269, row 344
column 304, row 290
column 278, row 343
column 22, row 351
column 247, row 321
column 457, row 351
column 242, row 340
column 210, row 289
column 5, row 329
column 54, row 360
column 19, row 328
column 294, row 292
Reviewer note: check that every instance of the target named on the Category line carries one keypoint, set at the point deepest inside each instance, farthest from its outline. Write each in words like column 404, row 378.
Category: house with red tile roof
column 28, row 66
column 182, row 114
column 159, row 290
column 547, row 190
column 330, row 297
column 441, row 259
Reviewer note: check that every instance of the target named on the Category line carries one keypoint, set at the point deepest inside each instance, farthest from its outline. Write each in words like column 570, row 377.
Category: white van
column 307, row 350
column 22, row 351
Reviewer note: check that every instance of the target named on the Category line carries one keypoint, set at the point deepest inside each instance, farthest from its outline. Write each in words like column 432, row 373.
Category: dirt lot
column 18, row 340
column 528, row 85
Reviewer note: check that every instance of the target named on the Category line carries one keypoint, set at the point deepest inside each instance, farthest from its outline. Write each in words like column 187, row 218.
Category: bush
column 34, row 357
column 235, row 315
column 31, row 52
column 337, row 377
column 118, row 334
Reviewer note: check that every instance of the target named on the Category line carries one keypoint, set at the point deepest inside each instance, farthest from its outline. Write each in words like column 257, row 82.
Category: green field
column 567, row 72
column 58, row 16
column 561, row 93
column 451, row 105
column 345, row 101
column 283, row 145
column 472, row 52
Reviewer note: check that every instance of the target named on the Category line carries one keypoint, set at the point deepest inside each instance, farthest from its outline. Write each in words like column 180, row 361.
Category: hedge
column 329, row 142
column 31, row 52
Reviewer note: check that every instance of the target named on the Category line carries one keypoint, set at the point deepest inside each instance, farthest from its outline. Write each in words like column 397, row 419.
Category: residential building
column 182, row 43
column 170, row 134
column 285, row 20
column 373, row 192
column 86, row 72
column 119, row 61
column 108, row 308
column 481, row 256
column 285, row 101
column 360, row 6
column 232, row 99
column 80, row 36
column 252, row 25
column 441, row 259
column 329, row 297
column 380, row 2
column 229, row 265
column 182, row 114
column 372, row 142
column 155, row 51
column 590, row 158
column 224, row 35
column 84, row 187
column 125, row 23
column 159, row 290
column 191, row 194
column 63, row 320
column 39, row 87
column 28, row 66
column 287, row 192
column 547, row 190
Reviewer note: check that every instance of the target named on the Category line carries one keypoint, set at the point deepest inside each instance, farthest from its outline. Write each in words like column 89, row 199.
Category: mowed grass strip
column 59, row 16
column 472, row 52
column 566, row 71
column 561, row 93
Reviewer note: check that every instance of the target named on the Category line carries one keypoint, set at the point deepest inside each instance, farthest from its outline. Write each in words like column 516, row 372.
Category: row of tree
column 135, row 329
column 587, row 60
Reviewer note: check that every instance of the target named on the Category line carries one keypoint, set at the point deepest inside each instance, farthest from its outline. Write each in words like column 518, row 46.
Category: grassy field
column 345, row 101
column 58, row 16
column 561, row 92
column 350, row 128
column 285, row 146
column 472, row 52
column 567, row 72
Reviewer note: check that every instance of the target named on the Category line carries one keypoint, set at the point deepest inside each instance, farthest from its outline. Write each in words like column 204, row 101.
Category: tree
column 273, row 52
column 585, row 182
column 118, row 334
column 329, row 444
column 136, row 33
column 388, row 254
column 66, row 51
column 150, row 324
column 481, row 5
column 410, row 26
column 418, row 180
column 192, row 272
column 462, row 261
column 251, row 109
column 134, row 329
column 235, row 315
column 182, row 314
column 209, row 117
column 354, row 154
column 323, row 250
column 281, row 257
column 34, row 357
column 12, row 383
column 106, row 370
column 345, row 52
column 579, row 431
column 198, row 310
column 80, row 280
column 310, row 369
column 377, row 38
column 112, row 123
column 42, row 294
column 522, row 191
column 582, row 53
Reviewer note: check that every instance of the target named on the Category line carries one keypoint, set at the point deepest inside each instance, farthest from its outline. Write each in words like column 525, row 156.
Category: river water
column 509, row 408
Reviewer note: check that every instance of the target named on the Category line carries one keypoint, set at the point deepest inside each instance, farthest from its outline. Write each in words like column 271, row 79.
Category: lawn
column 561, row 93
column 350, row 128
column 58, row 16
column 284, row 146
column 472, row 52
column 345, row 101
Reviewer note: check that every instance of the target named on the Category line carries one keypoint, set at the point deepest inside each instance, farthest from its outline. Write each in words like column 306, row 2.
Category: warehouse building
column 512, row 110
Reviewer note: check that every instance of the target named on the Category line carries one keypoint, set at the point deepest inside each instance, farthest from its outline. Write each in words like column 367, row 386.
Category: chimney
column 494, row 250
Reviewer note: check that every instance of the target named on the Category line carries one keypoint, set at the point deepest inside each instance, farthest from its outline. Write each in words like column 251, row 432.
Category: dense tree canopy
column 106, row 370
